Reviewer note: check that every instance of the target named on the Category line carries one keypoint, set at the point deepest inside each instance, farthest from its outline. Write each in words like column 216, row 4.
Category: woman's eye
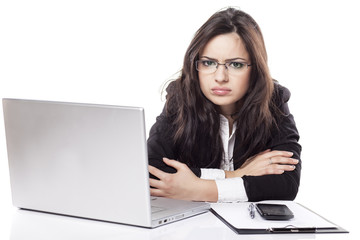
column 208, row 63
column 236, row 65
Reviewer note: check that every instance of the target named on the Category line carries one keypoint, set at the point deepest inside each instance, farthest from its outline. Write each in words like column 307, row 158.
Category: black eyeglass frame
column 226, row 64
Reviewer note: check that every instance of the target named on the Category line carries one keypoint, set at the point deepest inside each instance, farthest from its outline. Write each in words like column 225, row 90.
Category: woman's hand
column 183, row 184
column 265, row 163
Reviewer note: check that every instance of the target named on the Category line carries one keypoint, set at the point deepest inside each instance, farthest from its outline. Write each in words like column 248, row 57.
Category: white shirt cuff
column 212, row 173
column 231, row 190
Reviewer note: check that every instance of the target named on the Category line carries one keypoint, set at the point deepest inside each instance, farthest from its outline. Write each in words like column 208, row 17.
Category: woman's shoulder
column 171, row 87
column 281, row 94
column 167, row 116
column 172, row 100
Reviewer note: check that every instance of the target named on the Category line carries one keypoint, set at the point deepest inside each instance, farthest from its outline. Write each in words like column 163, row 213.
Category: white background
column 122, row 52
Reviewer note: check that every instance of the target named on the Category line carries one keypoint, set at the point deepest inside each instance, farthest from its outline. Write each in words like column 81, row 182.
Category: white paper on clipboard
column 237, row 214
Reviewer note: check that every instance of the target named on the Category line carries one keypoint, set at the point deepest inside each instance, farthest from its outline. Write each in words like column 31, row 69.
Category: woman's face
column 228, row 84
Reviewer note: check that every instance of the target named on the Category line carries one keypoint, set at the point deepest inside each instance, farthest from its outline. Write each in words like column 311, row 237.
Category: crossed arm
column 184, row 184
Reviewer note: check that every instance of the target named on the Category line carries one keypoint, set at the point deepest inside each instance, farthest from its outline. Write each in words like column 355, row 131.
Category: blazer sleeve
column 161, row 144
column 286, row 137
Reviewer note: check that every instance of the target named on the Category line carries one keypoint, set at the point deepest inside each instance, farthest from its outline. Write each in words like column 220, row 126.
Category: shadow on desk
column 31, row 225
column 37, row 225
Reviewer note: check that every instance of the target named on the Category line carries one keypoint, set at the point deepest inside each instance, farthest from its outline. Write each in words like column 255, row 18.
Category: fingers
column 281, row 157
column 283, row 160
column 161, row 174
column 173, row 163
column 278, row 169
column 284, row 168
column 157, row 192
column 277, row 153
column 269, row 162
column 279, row 165
column 179, row 185
column 157, row 185
column 156, row 172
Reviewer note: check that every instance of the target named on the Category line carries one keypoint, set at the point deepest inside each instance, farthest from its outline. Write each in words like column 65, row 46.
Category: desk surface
column 34, row 225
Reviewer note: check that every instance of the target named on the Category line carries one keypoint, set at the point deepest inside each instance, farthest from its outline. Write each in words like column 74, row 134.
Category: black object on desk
column 274, row 211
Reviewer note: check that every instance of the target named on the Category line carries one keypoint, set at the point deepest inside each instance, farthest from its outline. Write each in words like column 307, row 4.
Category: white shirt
column 229, row 189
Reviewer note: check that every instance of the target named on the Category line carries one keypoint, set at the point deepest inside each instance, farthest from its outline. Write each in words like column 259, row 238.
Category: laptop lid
column 85, row 160
column 78, row 159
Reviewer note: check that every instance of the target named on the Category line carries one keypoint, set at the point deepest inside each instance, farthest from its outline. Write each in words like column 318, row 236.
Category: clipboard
column 237, row 218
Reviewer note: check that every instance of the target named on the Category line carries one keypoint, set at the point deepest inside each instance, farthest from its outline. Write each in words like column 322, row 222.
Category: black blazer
column 268, row 187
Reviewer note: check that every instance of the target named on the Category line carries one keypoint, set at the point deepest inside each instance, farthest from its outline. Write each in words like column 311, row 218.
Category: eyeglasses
column 210, row 66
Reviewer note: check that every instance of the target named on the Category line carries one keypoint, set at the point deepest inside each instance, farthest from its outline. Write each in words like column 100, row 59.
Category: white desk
column 40, row 226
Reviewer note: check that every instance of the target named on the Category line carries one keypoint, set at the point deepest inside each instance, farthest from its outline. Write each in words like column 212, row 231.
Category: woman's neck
column 228, row 112
column 230, row 121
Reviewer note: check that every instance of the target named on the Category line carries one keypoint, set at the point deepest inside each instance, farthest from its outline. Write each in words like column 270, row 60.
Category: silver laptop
column 87, row 161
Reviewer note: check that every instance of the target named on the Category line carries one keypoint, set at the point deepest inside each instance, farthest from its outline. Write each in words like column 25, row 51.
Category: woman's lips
column 220, row 91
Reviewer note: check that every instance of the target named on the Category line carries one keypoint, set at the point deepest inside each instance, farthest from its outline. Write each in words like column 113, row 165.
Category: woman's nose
column 221, row 74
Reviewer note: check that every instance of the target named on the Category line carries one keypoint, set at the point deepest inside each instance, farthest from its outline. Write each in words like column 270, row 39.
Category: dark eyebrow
column 227, row 60
column 233, row 59
column 209, row 58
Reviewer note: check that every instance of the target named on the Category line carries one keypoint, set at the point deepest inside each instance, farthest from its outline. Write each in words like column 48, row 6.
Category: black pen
column 252, row 210
column 293, row 230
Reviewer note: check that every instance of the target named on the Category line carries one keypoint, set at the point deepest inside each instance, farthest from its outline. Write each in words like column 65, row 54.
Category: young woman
column 226, row 133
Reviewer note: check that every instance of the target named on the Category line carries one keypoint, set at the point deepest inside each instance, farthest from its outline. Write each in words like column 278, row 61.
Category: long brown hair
column 195, row 119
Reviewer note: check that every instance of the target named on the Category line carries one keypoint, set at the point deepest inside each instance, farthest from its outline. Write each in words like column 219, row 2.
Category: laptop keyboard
column 156, row 209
